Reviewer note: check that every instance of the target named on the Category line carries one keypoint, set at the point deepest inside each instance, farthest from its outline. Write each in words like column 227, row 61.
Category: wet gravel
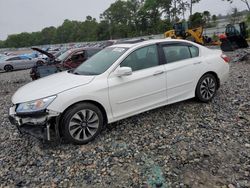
column 188, row 144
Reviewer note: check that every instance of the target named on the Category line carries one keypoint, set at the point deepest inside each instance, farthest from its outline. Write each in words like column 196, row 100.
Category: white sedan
column 10, row 63
column 118, row 82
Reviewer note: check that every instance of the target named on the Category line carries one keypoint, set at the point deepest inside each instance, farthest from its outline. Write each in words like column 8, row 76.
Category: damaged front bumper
column 42, row 125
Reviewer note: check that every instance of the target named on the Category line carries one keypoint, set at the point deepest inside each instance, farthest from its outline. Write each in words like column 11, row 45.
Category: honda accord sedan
column 118, row 82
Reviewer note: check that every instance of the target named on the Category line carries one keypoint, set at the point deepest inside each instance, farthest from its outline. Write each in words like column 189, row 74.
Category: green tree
column 214, row 19
column 196, row 20
column 103, row 30
column 206, row 18
column 117, row 16
column 48, row 35
column 2, row 44
column 88, row 30
column 190, row 4
column 64, row 32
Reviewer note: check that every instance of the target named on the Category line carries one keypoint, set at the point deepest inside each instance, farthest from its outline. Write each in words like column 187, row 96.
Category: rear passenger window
column 194, row 51
column 176, row 53
column 14, row 59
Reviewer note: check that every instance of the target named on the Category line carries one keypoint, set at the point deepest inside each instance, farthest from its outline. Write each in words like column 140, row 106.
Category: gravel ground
column 188, row 144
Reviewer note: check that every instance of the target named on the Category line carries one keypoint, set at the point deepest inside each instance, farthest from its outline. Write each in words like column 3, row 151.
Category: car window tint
column 142, row 58
column 24, row 57
column 176, row 53
column 194, row 51
column 100, row 62
column 13, row 59
column 92, row 52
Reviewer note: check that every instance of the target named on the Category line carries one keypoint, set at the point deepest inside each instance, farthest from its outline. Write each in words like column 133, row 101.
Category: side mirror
column 123, row 71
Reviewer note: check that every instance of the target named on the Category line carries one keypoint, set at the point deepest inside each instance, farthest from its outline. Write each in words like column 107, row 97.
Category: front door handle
column 197, row 63
column 158, row 72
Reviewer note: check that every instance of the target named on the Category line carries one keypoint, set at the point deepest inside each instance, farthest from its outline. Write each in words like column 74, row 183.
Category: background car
column 47, row 56
column 68, row 60
column 2, row 56
column 10, row 63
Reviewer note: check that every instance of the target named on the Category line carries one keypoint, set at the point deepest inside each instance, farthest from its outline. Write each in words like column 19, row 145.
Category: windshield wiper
column 72, row 71
column 82, row 73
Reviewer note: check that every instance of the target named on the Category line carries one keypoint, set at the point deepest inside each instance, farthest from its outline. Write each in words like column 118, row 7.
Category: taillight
column 225, row 58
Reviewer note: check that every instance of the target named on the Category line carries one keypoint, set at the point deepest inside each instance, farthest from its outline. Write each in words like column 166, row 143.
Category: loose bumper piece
column 38, row 126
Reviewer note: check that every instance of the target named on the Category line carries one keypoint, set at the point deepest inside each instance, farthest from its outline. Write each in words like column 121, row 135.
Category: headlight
column 35, row 106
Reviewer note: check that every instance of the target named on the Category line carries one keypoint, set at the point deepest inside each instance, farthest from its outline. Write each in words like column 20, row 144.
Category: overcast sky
column 33, row 15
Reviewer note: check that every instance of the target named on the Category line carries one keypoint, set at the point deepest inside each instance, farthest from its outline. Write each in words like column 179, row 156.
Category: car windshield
column 63, row 56
column 57, row 54
column 101, row 61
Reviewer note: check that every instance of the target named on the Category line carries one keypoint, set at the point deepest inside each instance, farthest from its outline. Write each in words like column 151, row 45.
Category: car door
column 182, row 69
column 27, row 62
column 144, row 89
column 15, row 62
column 30, row 62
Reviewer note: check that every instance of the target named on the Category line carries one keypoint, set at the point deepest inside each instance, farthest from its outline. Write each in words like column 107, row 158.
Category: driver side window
column 142, row 58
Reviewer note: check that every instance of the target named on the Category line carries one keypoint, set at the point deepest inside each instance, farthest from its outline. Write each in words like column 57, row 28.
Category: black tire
column 33, row 73
column 39, row 63
column 8, row 68
column 82, row 123
column 206, row 88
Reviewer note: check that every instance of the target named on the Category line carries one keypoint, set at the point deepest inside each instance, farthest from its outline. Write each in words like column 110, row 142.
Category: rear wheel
column 8, row 68
column 206, row 88
column 82, row 123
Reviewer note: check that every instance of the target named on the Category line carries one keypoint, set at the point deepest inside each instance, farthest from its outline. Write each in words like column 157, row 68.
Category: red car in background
column 68, row 60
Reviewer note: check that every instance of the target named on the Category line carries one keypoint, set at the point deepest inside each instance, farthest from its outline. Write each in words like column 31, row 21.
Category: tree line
column 123, row 19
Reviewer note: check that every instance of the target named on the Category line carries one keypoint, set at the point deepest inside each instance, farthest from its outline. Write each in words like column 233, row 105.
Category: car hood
column 44, row 52
column 50, row 85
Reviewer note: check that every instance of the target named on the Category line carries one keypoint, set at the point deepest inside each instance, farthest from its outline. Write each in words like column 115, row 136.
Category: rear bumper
column 42, row 127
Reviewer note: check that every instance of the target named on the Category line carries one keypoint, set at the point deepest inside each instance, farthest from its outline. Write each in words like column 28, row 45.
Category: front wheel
column 8, row 68
column 206, row 88
column 82, row 123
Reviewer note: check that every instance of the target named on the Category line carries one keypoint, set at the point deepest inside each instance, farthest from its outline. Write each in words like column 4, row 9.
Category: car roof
column 148, row 42
column 84, row 48
column 12, row 56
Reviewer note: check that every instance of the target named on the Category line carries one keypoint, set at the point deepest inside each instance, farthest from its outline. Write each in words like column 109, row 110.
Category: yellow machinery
column 181, row 31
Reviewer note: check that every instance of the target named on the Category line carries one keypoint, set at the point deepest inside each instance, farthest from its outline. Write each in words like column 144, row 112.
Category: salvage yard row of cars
column 119, row 81
column 48, row 62
column 69, row 59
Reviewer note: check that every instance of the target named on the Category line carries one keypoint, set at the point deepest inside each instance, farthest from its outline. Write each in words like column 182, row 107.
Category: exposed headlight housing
column 35, row 106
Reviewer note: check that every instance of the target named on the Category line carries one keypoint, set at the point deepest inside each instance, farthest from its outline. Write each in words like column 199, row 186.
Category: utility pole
column 191, row 7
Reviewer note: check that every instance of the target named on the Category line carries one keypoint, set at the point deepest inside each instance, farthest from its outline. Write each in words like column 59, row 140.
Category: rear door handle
column 197, row 63
column 158, row 72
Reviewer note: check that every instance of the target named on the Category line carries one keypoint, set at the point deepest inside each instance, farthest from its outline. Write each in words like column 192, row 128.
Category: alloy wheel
column 83, row 124
column 8, row 68
column 208, row 88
